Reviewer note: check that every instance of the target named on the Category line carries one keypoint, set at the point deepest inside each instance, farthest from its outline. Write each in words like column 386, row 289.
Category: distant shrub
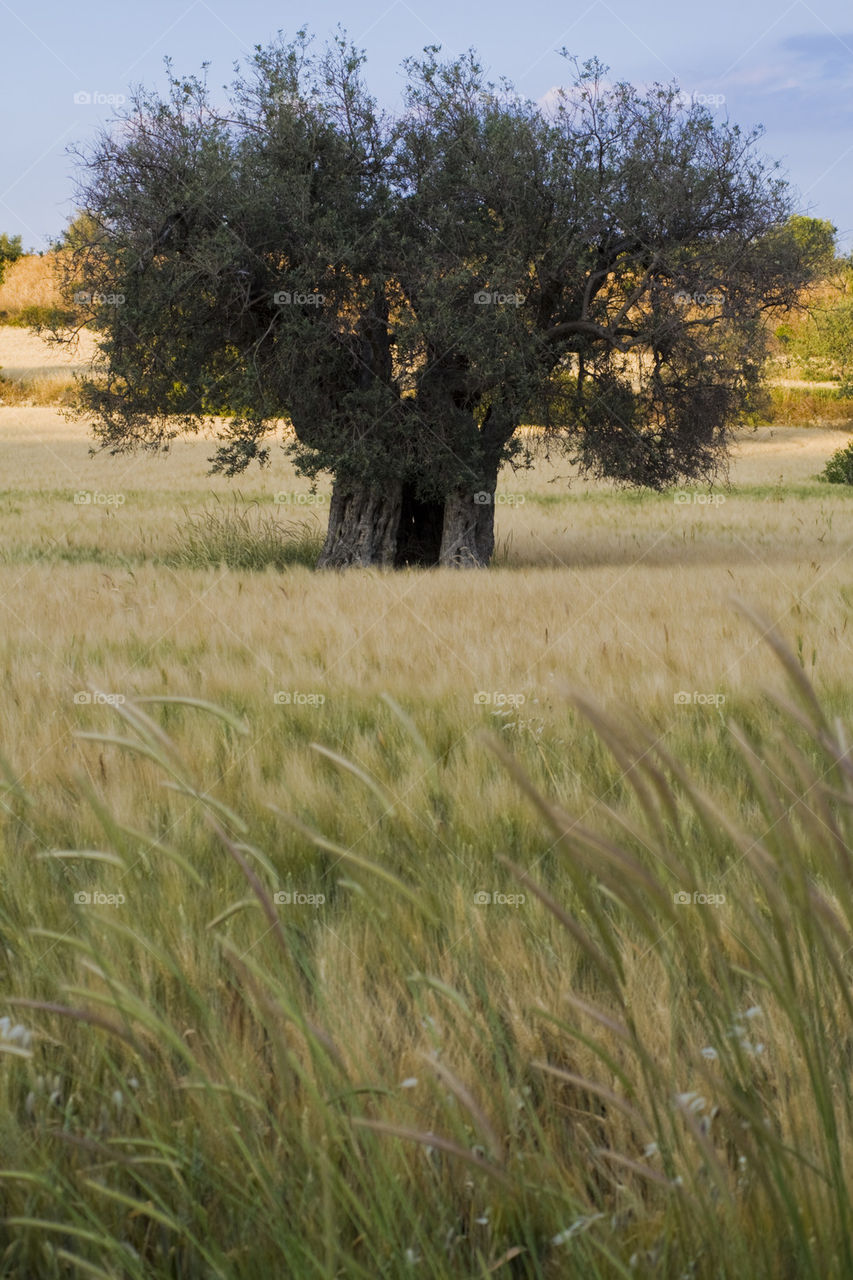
column 37, row 316
column 805, row 407
column 839, row 468
column 10, row 250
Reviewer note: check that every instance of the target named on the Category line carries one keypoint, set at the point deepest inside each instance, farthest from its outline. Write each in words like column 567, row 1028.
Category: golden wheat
column 597, row 1079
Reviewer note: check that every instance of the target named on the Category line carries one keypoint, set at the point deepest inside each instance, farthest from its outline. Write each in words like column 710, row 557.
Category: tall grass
column 812, row 406
column 641, row 1068
column 241, row 536
column 30, row 290
column 48, row 387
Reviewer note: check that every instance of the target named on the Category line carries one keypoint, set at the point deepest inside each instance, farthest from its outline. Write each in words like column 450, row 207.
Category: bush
column 54, row 388
column 37, row 316
column 803, row 407
column 10, row 250
column 839, row 468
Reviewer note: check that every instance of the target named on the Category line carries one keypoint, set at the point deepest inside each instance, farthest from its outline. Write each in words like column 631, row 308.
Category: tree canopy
column 11, row 249
column 815, row 237
column 408, row 292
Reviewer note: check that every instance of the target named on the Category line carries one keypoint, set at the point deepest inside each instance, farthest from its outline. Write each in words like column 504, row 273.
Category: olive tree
column 406, row 293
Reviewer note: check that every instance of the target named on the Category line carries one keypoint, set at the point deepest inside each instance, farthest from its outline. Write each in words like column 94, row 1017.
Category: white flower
column 710, row 1054
column 693, row 1101
column 17, row 1035
column 580, row 1225
column 409, row 1082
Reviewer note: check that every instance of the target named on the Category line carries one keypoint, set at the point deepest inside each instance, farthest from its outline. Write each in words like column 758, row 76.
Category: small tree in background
column 408, row 293
column 820, row 340
column 816, row 240
column 10, row 251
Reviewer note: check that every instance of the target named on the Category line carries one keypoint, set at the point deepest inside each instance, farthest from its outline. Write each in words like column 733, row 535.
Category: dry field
column 29, row 282
column 627, row 594
column 399, row 1079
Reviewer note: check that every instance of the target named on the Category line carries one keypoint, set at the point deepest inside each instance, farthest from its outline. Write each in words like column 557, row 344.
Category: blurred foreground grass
column 531, row 1006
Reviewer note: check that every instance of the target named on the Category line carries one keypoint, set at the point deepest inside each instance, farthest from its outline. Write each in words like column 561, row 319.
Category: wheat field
column 29, row 282
column 432, row 922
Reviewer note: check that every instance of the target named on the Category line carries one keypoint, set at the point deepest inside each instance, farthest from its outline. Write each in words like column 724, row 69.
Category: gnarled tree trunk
column 393, row 527
column 468, row 535
column 363, row 527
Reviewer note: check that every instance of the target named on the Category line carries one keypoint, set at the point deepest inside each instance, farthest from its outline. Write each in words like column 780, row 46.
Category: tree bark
column 392, row 528
column 468, row 536
column 386, row 530
column 363, row 527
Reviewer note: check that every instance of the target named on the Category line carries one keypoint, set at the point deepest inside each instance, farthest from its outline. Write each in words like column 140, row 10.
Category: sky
column 788, row 67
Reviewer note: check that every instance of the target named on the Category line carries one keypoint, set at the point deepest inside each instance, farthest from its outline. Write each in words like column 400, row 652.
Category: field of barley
column 426, row 923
